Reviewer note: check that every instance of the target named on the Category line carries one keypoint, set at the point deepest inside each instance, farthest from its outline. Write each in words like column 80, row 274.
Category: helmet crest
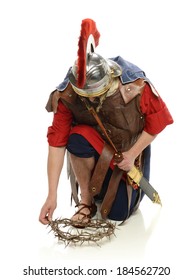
column 88, row 40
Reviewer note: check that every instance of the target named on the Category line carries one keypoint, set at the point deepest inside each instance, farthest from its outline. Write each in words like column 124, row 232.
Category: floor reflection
column 129, row 242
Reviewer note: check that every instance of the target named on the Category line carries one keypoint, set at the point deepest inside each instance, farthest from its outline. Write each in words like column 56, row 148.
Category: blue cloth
column 130, row 72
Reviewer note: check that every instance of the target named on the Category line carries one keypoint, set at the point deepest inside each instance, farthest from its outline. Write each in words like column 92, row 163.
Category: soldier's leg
column 82, row 156
column 82, row 168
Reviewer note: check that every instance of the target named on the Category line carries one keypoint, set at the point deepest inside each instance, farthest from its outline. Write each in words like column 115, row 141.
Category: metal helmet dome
column 91, row 75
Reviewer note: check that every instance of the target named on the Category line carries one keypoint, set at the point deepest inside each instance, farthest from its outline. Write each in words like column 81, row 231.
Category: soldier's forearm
column 143, row 141
column 54, row 167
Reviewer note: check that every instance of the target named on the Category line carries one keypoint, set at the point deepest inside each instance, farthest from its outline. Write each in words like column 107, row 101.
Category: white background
column 38, row 44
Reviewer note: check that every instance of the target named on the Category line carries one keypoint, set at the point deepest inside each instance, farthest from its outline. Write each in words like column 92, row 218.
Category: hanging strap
column 95, row 115
column 111, row 192
column 101, row 169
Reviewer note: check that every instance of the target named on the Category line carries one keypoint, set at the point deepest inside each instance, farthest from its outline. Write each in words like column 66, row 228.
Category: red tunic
column 157, row 117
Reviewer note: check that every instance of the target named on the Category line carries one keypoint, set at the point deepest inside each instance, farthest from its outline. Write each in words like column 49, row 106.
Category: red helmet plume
column 88, row 31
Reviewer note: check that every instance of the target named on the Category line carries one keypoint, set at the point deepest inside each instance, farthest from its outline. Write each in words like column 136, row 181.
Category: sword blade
column 149, row 190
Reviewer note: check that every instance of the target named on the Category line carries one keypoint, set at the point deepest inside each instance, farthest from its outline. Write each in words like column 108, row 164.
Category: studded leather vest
column 120, row 112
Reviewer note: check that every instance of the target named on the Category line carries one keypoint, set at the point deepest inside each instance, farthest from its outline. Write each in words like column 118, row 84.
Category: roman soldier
column 106, row 114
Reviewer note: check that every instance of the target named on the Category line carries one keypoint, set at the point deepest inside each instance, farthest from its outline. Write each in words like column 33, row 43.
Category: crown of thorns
column 94, row 231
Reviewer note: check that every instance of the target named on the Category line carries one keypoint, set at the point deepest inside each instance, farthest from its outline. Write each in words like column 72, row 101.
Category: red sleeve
column 157, row 115
column 58, row 133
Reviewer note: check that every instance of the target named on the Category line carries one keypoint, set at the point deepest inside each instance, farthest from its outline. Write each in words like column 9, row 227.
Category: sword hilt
column 135, row 174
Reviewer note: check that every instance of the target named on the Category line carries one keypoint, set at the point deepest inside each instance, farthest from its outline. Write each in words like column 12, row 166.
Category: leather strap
column 95, row 115
column 111, row 192
column 136, row 206
column 129, row 195
column 101, row 169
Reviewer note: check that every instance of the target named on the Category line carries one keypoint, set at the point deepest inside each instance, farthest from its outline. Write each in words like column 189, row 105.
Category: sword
column 137, row 176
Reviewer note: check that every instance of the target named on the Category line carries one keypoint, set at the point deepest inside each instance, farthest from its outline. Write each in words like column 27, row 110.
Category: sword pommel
column 118, row 157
